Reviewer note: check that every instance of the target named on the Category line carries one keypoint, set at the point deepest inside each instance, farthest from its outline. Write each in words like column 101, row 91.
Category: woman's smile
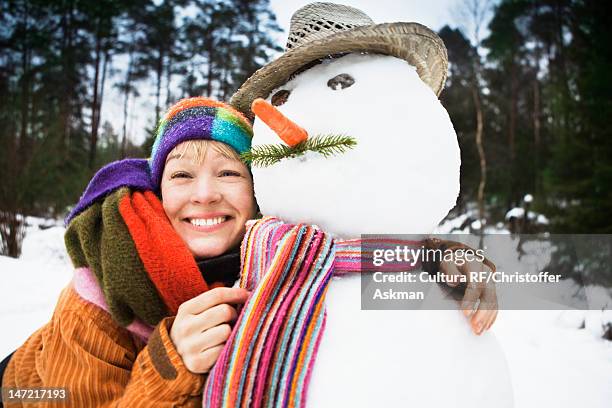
column 208, row 224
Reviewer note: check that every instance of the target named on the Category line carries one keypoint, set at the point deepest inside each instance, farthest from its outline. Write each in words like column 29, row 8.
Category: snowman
column 351, row 137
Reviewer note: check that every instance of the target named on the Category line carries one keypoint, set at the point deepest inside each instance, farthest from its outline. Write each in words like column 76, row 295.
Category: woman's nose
column 206, row 191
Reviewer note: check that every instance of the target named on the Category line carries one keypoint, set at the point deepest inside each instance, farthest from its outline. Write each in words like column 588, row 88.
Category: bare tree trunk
column 12, row 232
column 18, row 151
column 536, row 104
column 93, row 138
column 68, row 62
column 561, row 62
column 124, row 133
column 102, row 83
column 225, row 85
column 22, row 145
column 190, row 89
column 536, row 130
column 168, row 80
column 512, row 115
column 123, row 151
column 126, row 97
column 160, row 73
column 481, row 152
column 476, row 11
column 211, row 57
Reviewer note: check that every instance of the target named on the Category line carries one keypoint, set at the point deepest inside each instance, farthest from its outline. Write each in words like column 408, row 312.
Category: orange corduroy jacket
column 100, row 363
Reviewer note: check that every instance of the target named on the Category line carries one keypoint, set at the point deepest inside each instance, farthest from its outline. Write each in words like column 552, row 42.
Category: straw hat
column 319, row 30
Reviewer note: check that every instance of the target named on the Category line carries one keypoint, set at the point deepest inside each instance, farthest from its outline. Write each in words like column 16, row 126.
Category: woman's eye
column 180, row 174
column 340, row 82
column 280, row 97
column 229, row 173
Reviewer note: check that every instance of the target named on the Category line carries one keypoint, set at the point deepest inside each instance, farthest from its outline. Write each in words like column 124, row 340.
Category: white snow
column 451, row 224
column 516, row 212
column 30, row 286
column 541, row 219
column 553, row 365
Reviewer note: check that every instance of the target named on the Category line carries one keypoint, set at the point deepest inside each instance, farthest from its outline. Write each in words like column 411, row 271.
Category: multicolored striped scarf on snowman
column 269, row 357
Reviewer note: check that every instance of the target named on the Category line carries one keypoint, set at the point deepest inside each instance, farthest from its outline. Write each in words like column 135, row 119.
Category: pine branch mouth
column 326, row 145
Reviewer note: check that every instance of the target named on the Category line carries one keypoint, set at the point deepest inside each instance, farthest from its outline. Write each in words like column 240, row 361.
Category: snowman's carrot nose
column 288, row 131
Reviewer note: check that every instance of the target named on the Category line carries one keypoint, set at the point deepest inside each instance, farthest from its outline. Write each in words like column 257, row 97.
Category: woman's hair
column 199, row 147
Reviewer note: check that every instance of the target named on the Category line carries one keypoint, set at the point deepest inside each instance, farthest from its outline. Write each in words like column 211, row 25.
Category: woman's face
column 209, row 203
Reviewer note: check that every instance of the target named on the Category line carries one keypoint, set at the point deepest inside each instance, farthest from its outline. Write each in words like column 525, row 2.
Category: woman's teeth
column 200, row 222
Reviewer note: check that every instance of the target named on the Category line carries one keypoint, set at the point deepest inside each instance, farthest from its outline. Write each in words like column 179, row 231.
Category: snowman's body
column 404, row 358
column 402, row 177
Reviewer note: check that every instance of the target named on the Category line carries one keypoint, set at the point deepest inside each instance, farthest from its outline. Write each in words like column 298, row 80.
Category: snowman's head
column 402, row 176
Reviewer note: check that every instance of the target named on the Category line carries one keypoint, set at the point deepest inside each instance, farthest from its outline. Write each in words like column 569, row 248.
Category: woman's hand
column 477, row 293
column 202, row 326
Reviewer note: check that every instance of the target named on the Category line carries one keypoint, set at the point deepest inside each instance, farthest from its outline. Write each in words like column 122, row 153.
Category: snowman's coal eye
column 340, row 82
column 280, row 97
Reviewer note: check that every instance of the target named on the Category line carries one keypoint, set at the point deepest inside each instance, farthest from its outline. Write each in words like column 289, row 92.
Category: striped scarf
column 268, row 359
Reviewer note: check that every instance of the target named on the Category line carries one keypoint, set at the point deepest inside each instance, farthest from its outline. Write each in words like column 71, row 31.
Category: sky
column 432, row 13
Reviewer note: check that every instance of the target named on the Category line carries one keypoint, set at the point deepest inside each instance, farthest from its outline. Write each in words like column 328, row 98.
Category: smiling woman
column 153, row 243
column 207, row 194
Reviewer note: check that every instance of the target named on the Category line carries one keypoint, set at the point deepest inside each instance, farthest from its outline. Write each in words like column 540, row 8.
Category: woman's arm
column 83, row 350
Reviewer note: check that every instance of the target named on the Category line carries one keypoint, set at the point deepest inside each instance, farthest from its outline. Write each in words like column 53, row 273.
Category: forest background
column 530, row 100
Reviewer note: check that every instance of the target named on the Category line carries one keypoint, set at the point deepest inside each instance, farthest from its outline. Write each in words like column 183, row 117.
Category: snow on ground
column 552, row 362
column 30, row 286
column 556, row 358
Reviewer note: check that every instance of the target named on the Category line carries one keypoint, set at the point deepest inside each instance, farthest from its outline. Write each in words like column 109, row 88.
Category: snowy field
column 555, row 358
column 30, row 286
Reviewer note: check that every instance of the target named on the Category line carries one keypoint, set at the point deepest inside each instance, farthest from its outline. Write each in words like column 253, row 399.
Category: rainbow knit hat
column 198, row 118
